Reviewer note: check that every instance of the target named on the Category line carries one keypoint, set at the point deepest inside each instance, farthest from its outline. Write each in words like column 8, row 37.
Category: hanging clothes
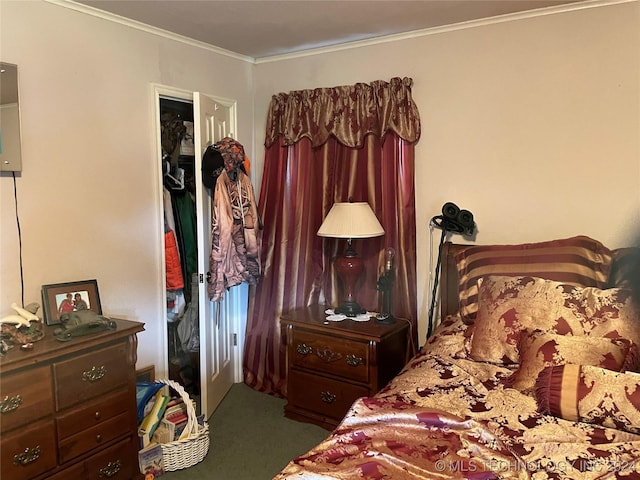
column 185, row 212
column 235, row 226
column 172, row 131
column 189, row 329
column 175, row 280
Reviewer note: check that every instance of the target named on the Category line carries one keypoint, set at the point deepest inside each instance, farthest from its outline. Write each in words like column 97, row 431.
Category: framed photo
column 69, row 297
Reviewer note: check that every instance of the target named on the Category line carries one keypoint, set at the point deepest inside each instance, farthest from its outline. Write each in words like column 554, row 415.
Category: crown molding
column 86, row 9
column 509, row 17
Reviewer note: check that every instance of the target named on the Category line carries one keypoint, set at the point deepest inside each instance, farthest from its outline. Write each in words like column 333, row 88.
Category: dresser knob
column 353, row 360
column 99, row 438
column 97, row 415
column 304, row 349
column 327, row 397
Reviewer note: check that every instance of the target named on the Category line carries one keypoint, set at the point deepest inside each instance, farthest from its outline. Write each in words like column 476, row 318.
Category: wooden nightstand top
column 314, row 318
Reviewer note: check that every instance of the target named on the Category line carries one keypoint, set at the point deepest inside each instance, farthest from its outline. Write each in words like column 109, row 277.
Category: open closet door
column 213, row 121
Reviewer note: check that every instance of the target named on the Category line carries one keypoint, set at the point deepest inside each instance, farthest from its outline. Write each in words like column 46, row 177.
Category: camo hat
column 232, row 153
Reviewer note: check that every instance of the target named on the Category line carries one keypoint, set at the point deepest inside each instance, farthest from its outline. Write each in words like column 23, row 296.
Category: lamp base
column 349, row 267
column 350, row 309
column 385, row 319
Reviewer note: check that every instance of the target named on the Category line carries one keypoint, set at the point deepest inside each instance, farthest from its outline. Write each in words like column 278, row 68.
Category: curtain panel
column 300, row 183
column 348, row 113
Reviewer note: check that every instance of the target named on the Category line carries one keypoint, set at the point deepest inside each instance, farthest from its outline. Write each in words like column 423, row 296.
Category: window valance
column 349, row 113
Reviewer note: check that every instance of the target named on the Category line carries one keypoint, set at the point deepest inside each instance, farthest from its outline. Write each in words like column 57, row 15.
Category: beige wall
column 88, row 195
column 532, row 124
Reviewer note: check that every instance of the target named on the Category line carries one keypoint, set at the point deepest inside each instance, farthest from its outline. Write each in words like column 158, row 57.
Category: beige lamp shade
column 351, row 220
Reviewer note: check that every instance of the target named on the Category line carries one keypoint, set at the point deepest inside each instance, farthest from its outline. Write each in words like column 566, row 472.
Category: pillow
column 509, row 305
column 590, row 394
column 578, row 261
column 540, row 349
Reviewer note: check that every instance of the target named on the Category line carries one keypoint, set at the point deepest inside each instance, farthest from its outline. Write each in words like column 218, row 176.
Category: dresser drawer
column 28, row 452
column 119, row 462
column 75, row 472
column 85, row 441
column 322, row 395
column 338, row 356
column 94, row 413
column 25, row 397
column 90, row 375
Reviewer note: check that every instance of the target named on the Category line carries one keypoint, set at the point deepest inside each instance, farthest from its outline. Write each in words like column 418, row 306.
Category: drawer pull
column 353, row 360
column 327, row 397
column 29, row 455
column 95, row 374
column 110, row 470
column 327, row 355
column 10, row 404
column 304, row 349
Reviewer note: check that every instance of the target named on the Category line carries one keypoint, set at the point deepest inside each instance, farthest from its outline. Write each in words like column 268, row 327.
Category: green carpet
column 250, row 439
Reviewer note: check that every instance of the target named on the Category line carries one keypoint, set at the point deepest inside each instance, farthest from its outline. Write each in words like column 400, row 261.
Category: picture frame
column 59, row 298
column 146, row 374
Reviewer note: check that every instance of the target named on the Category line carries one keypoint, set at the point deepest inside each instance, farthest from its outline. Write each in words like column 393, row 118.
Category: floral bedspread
column 447, row 416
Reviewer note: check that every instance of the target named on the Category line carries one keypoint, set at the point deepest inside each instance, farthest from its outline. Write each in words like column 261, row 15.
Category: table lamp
column 350, row 220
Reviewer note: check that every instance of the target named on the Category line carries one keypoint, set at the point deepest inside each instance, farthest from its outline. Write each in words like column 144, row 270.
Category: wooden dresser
column 331, row 364
column 68, row 409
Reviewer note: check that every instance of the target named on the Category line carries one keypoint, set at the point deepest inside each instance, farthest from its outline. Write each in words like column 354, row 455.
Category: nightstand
column 331, row 364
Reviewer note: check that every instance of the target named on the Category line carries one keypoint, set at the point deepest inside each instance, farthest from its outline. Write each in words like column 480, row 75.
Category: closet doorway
column 202, row 338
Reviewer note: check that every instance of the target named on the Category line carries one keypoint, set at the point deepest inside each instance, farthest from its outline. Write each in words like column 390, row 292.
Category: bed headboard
column 449, row 283
column 449, row 303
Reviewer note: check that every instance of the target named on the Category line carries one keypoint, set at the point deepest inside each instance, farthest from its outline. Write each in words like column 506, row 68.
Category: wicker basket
column 194, row 443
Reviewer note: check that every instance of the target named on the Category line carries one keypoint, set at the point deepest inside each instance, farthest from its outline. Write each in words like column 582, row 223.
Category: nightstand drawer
column 90, row 375
column 342, row 357
column 322, row 395
column 25, row 397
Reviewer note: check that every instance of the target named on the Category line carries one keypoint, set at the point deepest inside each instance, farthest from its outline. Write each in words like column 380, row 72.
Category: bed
column 529, row 374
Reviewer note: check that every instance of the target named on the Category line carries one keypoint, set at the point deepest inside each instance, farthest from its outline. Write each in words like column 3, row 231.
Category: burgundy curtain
column 326, row 146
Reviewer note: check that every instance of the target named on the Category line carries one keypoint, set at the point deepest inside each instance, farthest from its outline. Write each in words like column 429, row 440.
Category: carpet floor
column 250, row 439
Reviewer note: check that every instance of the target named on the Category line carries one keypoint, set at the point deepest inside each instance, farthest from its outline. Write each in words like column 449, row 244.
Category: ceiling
column 264, row 28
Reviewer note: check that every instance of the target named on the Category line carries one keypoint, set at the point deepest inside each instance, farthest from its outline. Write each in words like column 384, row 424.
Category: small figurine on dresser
column 80, row 323
column 20, row 328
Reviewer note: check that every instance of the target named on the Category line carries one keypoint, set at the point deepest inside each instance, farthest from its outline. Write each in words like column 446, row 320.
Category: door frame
column 237, row 313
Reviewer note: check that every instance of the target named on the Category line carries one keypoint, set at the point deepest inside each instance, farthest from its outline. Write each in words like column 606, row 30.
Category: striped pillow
column 584, row 393
column 580, row 261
